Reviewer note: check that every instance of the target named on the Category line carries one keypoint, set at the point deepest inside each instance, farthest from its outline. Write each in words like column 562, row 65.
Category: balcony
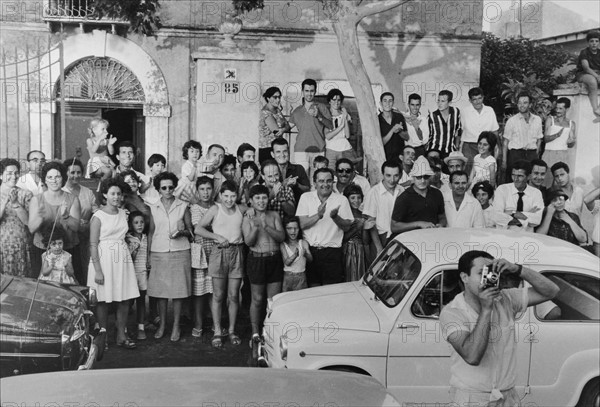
column 80, row 12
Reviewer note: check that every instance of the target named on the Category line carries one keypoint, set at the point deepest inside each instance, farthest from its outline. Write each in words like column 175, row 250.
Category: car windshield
column 392, row 274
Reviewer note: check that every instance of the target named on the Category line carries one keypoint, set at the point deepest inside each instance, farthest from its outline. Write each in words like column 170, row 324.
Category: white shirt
column 324, row 233
column 468, row 215
column 413, row 138
column 474, row 122
column 575, row 203
column 521, row 134
column 505, row 202
column 28, row 182
column 379, row 204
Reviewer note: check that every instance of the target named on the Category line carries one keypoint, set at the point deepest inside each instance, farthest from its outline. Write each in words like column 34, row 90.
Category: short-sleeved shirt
column 410, row 206
column 593, row 60
column 324, row 233
column 311, row 132
column 443, row 133
column 165, row 224
column 474, row 122
column 498, row 367
column 379, row 203
column 522, row 134
column 413, row 137
column 394, row 147
column 468, row 215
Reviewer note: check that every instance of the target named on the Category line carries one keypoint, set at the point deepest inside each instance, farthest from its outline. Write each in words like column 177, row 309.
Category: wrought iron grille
column 102, row 79
column 76, row 9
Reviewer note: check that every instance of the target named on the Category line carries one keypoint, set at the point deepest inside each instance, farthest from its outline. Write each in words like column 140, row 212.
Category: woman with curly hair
column 51, row 208
column 170, row 258
column 15, row 240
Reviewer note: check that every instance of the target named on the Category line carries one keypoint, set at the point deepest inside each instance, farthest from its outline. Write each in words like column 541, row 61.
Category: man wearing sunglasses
column 346, row 175
column 420, row 206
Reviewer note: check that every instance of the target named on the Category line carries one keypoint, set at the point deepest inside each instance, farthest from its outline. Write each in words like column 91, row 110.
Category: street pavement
column 188, row 351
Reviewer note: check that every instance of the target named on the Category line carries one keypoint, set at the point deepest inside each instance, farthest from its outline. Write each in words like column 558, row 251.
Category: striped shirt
column 442, row 133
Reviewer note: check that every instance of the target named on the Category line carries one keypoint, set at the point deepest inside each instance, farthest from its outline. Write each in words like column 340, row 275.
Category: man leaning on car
column 479, row 324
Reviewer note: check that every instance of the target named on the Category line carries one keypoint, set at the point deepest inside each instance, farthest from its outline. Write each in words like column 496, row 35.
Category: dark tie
column 520, row 202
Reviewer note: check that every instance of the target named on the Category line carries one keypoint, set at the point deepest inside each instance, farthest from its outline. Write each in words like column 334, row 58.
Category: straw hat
column 455, row 155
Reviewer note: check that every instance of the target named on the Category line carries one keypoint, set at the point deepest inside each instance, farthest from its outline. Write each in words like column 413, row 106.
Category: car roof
column 194, row 386
column 446, row 245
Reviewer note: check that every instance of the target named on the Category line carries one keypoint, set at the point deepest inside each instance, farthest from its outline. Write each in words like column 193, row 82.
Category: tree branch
column 375, row 7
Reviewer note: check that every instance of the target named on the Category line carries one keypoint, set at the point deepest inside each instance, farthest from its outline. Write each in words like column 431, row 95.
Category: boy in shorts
column 588, row 70
column 263, row 232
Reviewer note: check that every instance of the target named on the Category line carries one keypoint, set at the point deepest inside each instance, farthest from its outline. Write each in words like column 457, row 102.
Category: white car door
column 566, row 337
column 419, row 357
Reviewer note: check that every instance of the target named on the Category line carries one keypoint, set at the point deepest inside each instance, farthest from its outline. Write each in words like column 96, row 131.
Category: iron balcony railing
column 78, row 11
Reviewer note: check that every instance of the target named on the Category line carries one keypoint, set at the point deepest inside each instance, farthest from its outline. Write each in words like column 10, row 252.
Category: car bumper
column 96, row 351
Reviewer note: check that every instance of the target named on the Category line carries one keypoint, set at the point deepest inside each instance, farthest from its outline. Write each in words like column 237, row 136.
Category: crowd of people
column 262, row 225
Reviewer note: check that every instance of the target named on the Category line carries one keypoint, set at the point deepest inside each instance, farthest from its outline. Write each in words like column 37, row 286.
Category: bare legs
column 225, row 287
column 591, row 84
column 257, row 306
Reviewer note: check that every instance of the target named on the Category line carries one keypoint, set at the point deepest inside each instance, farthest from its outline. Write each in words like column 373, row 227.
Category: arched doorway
column 100, row 87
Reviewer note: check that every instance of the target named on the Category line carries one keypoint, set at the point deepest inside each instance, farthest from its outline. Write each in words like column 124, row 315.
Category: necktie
column 520, row 202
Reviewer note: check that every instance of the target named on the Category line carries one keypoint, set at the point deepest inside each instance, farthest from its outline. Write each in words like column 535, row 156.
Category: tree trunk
column 345, row 28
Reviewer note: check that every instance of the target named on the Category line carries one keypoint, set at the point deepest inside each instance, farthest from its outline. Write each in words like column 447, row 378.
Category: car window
column 577, row 300
column 439, row 291
column 393, row 273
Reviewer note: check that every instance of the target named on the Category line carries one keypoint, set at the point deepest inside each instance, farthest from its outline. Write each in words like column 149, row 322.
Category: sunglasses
column 345, row 170
column 167, row 188
column 423, row 177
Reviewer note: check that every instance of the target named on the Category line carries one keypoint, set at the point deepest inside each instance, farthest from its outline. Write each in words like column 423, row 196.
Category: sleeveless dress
column 15, row 239
column 59, row 271
column 120, row 283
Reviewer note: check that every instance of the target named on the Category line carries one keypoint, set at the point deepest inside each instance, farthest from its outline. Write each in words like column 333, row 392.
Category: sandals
column 196, row 333
column 217, row 342
column 127, row 344
column 234, row 339
column 255, row 339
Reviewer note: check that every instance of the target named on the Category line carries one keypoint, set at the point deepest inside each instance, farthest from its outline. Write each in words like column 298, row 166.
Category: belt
column 523, row 149
column 319, row 248
column 263, row 254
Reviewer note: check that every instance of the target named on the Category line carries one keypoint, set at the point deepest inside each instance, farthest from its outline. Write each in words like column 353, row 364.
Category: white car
column 386, row 325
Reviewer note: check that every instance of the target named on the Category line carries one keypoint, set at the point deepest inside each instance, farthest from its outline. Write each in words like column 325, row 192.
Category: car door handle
column 405, row 325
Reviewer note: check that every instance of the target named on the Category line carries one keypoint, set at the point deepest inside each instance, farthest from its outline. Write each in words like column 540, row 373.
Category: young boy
column 588, row 70
column 263, row 232
column 157, row 164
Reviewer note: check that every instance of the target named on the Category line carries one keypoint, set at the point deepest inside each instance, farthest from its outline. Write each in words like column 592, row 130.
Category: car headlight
column 283, row 346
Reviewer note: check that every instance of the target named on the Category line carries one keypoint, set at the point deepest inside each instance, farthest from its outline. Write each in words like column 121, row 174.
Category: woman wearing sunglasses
column 168, row 240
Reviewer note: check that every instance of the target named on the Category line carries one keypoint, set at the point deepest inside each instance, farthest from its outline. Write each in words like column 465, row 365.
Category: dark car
column 46, row 327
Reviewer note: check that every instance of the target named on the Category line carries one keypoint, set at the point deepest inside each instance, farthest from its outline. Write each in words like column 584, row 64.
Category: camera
column 489, row 278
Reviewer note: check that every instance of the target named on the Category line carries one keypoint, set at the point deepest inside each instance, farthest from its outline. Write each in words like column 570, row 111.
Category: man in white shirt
column 476, row 119
column 462, row 210
column 407, row 160
column 324, row 216
column 518, row 200
column 379, row 203
column 346, row 175
column 32, row 181
column 523, row 136
column 416, row 126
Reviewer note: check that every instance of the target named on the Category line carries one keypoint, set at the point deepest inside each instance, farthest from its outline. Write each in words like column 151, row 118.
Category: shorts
column 293, row 281
column 226, row 262
column 264, row 269
column 142, row 280
column 201, row 282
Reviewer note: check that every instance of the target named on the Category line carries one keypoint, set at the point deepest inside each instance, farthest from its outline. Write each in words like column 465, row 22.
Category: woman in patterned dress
column 15, row 239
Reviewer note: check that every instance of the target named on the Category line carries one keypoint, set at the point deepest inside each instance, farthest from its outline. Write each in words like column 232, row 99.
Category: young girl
column 356, row 239
column 484, row 163
column 484, row 192
column 202, row 287
column 250, row 177
column 137, row 241
column 191, row 151
column 56, row 263
column 225, row 264
column 295, row 253
column 99, row 145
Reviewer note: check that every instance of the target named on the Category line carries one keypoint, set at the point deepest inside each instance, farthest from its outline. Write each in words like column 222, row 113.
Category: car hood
column 340, row 304
column 53, row 311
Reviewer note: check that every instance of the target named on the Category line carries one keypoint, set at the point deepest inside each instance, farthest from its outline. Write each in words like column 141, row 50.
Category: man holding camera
column 479, row 324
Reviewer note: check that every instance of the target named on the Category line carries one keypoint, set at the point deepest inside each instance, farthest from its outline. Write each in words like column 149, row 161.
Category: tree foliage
column 142, row 14
column 511, row 65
